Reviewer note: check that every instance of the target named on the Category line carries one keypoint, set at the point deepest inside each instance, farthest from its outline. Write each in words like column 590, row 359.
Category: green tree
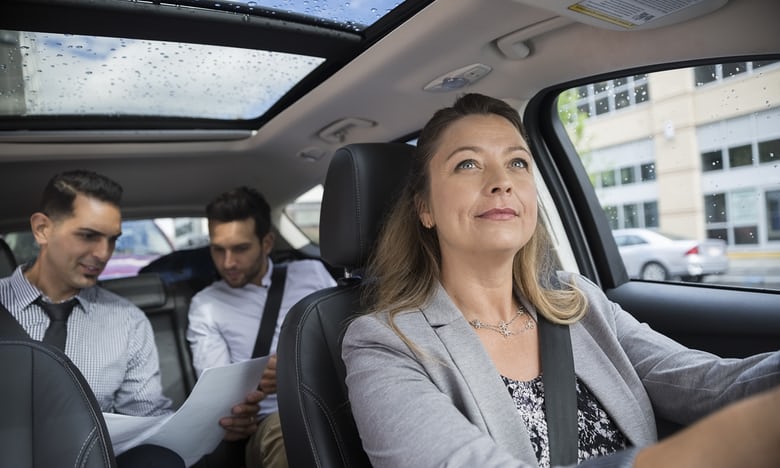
column 574, row 120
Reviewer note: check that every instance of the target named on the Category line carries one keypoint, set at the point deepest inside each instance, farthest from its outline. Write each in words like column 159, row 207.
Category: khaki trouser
column 265, row 449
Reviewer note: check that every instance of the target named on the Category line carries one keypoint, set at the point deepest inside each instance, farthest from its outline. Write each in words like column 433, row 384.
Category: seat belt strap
column 560, row 391
column 10, row 328
column 271, row 311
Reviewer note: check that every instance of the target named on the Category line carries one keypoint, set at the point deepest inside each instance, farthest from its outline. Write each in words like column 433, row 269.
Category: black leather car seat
column 362, row 182
column 50, row 417
column 7, row 259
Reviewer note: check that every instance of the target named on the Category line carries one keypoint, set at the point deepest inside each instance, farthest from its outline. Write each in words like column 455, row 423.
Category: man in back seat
column 225, row 318
column 56, row 301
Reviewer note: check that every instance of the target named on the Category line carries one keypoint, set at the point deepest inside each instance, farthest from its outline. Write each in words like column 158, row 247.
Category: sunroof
column 57, row 74
column 166, row 63
column 352, row 14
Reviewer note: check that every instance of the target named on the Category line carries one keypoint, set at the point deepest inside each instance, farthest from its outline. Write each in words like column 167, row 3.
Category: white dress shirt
column 224, row 321
column 109, row 339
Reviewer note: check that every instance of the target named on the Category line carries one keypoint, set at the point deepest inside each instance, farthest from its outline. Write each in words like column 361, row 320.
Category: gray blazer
column 451, row 408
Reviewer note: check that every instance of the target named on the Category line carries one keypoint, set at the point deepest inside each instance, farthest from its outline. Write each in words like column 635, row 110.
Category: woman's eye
column 521, row 163
column 467, row 164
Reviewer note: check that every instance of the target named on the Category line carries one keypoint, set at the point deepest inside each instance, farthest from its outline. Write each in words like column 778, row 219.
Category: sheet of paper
column 128, row 431
column 194, row 430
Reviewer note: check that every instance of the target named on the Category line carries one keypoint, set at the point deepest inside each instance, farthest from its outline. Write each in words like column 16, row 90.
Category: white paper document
column 194, row 430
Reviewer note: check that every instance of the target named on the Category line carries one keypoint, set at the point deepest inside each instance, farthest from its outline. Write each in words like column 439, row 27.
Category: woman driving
column 446, row 368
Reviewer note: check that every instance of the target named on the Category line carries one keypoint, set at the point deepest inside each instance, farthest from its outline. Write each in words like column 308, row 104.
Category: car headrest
column 362, row 182
column 145, row 290
column 7, row 259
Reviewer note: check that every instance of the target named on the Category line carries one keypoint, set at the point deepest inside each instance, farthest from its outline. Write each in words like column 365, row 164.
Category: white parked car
column 652, row 255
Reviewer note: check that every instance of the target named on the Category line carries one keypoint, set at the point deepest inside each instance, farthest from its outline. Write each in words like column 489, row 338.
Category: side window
column 692, row 157
column 304, row 213
column 142, row 241
column 145, row 240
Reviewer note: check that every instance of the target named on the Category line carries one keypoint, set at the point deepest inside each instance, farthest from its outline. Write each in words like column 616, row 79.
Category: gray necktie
column 58, row 327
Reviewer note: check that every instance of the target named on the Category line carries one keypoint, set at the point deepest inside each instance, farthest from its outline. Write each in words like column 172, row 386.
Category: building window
column 745, row 235
column 769, row 151
column 719, row 233
column 641, row 93
column 712, row 161
column 741, row 156
column 630, row 216
column 608, row 179
column 705, row 74
column 648, row 172
column 763, row 63
column 651, row 214
column 733, row 214
column 732, row 69
column 710, row 73
column 773, row 215
column 627, row 175
column 622, row 100
column 612, row 95
column 633, row 215
column 715, row 208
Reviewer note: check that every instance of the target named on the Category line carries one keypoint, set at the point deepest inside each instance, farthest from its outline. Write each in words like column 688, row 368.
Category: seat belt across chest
column 560, row 391
column 270, row 312
column 10, row 328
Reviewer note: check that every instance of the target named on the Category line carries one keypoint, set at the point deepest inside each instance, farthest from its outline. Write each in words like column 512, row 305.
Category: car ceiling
column 384, row 85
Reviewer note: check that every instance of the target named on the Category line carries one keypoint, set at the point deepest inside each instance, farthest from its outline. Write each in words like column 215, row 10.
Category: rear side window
column 142, row 241
column 693, row 153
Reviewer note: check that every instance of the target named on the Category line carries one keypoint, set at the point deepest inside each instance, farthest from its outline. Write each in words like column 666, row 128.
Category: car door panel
column 723, row 321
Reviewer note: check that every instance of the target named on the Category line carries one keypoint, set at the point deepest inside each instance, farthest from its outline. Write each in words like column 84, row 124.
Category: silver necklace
column 503, row 327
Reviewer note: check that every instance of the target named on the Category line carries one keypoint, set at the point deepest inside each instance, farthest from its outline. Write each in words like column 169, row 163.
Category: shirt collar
column 266, row 281
column 25, row 293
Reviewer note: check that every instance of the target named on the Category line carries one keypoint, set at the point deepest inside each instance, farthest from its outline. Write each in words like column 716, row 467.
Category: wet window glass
column 712, row 161
column 355, row 15
column 694, row 154
column 627, row 175
column 740, row 156
column 769, row 151
column 648, row 172
column 60, row 74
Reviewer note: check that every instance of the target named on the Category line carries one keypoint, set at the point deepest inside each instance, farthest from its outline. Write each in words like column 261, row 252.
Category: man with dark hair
column 57, row 301
column 228, row 320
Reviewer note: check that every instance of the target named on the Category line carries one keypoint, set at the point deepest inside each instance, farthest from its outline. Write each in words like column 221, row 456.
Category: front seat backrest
column 362, row 182
column 7, row 259
column 50, row 416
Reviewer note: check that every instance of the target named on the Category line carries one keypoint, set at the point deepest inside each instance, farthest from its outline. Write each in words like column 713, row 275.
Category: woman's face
column 482, row 196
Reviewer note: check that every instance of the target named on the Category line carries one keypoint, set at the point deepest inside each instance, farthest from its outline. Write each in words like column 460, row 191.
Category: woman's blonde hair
column 404, row 269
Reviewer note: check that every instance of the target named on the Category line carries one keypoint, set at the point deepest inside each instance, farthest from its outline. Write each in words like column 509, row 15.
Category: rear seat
column 163, row 290
column 167, row 306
